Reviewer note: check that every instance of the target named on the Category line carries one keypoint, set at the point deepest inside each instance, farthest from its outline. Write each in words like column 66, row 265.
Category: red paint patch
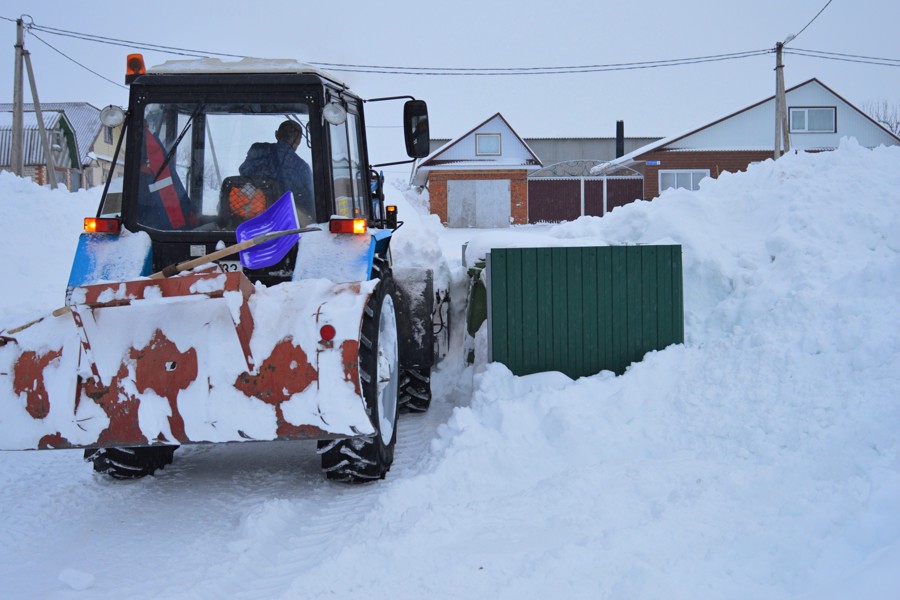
column 120, row 407
column 54, row 440
column 350, row 360
column 161, row 367
column 28, row 379
column 284, row 373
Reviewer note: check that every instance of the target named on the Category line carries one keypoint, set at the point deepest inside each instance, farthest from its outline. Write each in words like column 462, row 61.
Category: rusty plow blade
column 201, row 357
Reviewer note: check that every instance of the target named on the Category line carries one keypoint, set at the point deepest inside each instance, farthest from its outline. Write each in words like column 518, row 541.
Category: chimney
column 620, row 138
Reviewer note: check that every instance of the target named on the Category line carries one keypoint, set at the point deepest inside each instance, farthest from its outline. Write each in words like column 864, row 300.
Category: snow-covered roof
column 32, row 147
column 244, row 65
column 734, row 144
column 453, row 155
column 84, row 118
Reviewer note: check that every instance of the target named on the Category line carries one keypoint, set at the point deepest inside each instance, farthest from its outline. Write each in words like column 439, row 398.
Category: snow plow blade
column 201, row 357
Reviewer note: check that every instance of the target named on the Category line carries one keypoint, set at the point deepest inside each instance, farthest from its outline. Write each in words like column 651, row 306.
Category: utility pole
column 17, row 154
column 782, row 128
column 17, row 163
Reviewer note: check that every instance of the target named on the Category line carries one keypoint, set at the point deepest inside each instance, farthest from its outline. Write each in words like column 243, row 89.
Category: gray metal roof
column 33, row 150
column 84, row 118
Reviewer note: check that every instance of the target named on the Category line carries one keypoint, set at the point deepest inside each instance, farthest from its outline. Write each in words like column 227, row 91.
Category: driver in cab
column 279, row 161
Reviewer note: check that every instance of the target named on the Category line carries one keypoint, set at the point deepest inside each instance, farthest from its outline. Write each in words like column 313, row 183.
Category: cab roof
column 244, row 65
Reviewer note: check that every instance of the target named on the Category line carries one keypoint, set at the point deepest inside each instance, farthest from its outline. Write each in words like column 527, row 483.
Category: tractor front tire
column 357, row 460
column 129, row 463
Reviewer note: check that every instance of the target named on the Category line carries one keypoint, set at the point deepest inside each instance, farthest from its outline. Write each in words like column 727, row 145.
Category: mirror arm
column 112, row 168
column 390, row 164
column 389, row 98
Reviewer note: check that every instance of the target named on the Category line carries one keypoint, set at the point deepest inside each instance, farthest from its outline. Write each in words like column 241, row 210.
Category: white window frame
column 488, row 136
column 696, row 175
column 804, row 110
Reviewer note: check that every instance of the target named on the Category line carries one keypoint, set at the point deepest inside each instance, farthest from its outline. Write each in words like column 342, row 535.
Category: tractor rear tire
column 415, row 390
column 129, row 463
column 357, row 460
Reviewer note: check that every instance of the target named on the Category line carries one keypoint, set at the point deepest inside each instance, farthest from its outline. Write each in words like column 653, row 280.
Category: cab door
column 348, row 169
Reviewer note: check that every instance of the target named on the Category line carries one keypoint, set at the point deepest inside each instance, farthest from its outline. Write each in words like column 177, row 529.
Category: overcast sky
column 481, row 34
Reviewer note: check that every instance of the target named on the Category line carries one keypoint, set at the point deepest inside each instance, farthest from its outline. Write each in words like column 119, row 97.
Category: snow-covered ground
column 758, row 460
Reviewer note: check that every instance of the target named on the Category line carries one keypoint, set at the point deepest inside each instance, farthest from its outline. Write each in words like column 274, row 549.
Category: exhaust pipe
column 620, row 139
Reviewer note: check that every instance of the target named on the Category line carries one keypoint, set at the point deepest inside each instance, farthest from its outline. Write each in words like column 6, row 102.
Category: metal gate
column 478, row 203
column 555, row 199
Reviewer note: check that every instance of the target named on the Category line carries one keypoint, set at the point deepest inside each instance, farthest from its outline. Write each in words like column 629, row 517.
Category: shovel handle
column 218, row 254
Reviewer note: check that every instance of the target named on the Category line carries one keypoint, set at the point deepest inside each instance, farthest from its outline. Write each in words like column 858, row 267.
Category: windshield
column 213, row 166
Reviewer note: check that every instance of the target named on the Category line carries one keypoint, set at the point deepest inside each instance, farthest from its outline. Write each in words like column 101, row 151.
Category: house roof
column 32, row 148
column 634, row 156
column 434, row 161
column 84, row 118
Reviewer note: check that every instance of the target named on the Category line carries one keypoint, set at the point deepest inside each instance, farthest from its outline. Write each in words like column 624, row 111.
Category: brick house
column 480, row 179
column 818, row 118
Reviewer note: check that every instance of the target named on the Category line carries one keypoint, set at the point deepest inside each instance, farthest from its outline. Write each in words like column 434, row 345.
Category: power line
column 467, row 71
column 129, row 43
column 887, row 62
column 500, row 72
column 826, row 54
column 455, row 71
column 78, row 63
column 543, row 70
column 796, row 35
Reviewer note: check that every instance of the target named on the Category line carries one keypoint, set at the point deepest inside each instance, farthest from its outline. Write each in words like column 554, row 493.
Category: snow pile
column 758, row 460
column 38, row 243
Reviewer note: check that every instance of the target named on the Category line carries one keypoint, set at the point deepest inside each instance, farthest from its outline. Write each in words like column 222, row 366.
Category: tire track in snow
column 317, row 526
column 225, row 520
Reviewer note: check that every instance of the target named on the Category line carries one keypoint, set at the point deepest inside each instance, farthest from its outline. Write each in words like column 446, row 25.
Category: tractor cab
column 212, row 144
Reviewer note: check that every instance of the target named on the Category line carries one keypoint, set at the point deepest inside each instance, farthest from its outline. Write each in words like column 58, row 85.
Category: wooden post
column 45, row 141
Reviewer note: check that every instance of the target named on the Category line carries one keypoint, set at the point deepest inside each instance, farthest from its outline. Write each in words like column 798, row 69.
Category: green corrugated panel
column 581, row 310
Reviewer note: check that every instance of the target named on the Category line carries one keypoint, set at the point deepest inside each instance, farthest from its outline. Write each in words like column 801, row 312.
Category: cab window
column 349, row 184
column 212, row 166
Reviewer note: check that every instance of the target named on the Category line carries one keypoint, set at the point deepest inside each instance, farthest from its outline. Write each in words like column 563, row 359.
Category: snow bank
column 38, row 244
column 758, row 460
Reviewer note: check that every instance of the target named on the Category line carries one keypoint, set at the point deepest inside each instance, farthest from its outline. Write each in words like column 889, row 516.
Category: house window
column 820, row 119
column 687, row 179
column 108, row 135
column 487, row 144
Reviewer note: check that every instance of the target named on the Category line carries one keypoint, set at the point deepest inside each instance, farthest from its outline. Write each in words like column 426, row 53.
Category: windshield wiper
column 171, row 152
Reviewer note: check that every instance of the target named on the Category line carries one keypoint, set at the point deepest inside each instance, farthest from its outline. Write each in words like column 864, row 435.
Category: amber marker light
column 98, row 225
column 391, row 216
column 347, row 226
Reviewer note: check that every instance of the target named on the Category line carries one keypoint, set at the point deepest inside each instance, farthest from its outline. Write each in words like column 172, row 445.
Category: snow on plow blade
column 202, row 357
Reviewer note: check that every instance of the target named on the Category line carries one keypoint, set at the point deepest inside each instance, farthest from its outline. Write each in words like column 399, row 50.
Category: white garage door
column 478, row 203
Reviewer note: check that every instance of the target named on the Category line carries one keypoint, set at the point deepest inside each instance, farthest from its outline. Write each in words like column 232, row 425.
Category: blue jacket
column 278, row 161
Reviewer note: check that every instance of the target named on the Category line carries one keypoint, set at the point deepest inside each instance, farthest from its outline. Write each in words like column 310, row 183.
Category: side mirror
column 415, row 128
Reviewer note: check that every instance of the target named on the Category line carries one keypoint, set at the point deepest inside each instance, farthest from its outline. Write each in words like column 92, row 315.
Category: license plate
column 230, row 266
